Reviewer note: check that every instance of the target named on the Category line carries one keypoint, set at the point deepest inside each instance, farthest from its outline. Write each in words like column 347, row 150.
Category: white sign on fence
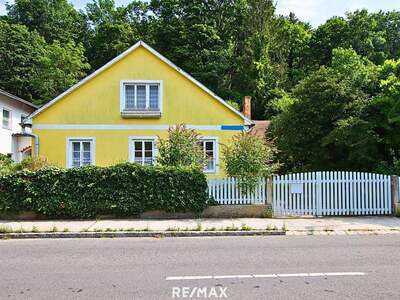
column 296, row 188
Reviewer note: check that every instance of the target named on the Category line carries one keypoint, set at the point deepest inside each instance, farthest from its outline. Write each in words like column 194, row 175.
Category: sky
column 315, row 12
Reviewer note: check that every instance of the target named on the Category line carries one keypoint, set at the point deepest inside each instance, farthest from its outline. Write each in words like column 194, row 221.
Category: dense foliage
column 8, row 166
column 124, row 189
column 248, row 158
column 345, row 115
column 331, row 91
column 181, row 149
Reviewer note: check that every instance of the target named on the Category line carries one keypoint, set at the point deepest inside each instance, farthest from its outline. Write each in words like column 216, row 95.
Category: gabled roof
column 121, row 56
column 17, row 98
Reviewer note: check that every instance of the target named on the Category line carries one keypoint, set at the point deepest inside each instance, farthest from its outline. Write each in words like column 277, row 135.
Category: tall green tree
column 386, row 111
column 59, row 68
column 296, row 36
column 332, row 34
column 326, row 126
column 53, row 19
column 258, row 57
column 197, row 36
column 20, row 53
column 375, row 36
column 35, row 70
column 110, row 31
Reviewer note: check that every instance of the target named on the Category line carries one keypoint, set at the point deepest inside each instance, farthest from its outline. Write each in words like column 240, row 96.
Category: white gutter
column 36, row 141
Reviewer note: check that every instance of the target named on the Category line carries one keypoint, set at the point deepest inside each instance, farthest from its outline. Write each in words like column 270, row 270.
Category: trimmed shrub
column 124, row 189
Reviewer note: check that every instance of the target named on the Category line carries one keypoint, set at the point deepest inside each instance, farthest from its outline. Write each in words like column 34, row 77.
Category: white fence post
column 318, row 186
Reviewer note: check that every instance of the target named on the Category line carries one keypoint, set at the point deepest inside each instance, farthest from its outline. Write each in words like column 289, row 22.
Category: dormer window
column 141, row 99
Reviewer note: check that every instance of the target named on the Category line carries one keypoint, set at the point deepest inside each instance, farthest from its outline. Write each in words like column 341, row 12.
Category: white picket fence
column 332, row 193
column 226, row 191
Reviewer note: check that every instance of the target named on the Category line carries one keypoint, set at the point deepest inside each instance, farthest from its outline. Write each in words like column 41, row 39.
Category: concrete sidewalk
column 299, row 225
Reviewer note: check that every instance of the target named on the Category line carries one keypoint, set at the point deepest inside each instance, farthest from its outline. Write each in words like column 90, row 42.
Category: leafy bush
column 248, row 158
column 6, row 164
column 33, row 164
column 181, row 149
column 124, row 189
column 388, row 168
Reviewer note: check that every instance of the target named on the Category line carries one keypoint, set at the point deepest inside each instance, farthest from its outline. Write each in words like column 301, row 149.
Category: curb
column 124, row 234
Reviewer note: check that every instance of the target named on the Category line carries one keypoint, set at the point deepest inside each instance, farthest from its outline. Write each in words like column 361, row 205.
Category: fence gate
column 332, row 193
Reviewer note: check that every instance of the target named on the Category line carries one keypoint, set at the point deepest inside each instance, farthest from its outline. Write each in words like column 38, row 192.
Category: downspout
column 28, row 123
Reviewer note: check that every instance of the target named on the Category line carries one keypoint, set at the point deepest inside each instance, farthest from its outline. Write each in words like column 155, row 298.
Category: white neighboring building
column 15, row 141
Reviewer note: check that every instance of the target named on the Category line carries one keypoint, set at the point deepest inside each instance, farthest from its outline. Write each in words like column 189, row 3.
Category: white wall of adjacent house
column 11, row 113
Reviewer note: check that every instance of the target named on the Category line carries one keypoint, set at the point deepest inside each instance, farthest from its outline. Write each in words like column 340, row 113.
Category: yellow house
column 118, row 112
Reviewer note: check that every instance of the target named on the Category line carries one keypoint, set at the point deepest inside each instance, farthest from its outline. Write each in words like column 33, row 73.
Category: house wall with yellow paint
column 92, row 110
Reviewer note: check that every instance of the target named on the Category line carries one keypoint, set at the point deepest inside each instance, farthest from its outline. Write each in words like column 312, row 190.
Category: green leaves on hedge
column 124, row 189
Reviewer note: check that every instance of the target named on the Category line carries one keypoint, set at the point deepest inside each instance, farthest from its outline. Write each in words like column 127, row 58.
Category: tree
column 197, row 36
column 108, row 41
column 54, row 20
column 367, row 37
column 181, row 149
column 58, row 69
column 20, row 53
column 35, row 70
column 295, row 37
column 328, row 36
column 249, row 158
column 326, row 125
column 372, row 35
column 386, row 112
column 110, row 31
column 258, row 56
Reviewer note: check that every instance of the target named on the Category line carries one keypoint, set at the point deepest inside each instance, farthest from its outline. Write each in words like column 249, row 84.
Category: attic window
column 141, row 99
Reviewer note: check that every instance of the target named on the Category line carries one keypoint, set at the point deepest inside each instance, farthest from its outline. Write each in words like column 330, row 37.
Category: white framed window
column 81, row 151
column 141, row 96
column 7, row 119
column 210, row 149
column 142, row 150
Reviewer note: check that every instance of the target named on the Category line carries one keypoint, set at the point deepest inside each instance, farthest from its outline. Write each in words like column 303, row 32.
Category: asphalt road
column 136, row 268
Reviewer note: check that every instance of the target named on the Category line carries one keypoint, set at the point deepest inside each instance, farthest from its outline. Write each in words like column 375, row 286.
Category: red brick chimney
column 247, row 107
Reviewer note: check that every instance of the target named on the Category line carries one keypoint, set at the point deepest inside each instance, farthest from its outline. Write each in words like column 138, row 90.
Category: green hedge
column 124, row 189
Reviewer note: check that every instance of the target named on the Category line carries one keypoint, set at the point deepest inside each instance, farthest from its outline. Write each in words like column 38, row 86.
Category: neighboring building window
column 6, row 119
column 139, row 96
column 143, row 151
column 81, row 152
column 209, row 147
